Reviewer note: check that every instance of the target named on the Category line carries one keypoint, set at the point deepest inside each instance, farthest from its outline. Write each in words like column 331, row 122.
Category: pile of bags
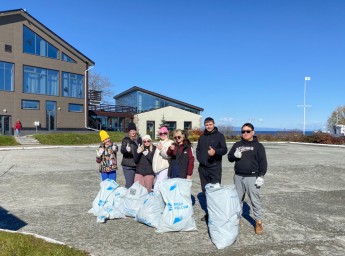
column 170, row 210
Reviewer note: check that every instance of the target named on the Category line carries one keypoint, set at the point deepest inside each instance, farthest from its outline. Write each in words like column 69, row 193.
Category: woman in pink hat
column 160, row 162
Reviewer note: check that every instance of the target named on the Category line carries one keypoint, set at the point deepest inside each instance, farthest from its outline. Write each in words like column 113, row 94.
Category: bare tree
column 227, row 130
column 337, row 117
column 97, row 82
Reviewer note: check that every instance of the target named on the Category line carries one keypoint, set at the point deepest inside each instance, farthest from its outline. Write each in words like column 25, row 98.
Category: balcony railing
column 113, row 108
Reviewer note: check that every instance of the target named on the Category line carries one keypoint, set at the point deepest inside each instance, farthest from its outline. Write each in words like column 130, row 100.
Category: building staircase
column 27, row 140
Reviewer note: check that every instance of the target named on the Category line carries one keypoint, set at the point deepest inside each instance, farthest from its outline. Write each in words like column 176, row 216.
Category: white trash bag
column 178, row 212
column 224, row 212
column 108, row 202
column 134, row 199
column 152, row 209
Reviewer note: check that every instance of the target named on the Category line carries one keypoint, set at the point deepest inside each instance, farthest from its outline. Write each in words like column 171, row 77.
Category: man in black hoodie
column 209, row 152
column 250, row 167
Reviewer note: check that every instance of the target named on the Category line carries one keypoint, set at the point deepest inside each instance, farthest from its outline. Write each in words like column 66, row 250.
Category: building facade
column 154, row 109
column 43, row 79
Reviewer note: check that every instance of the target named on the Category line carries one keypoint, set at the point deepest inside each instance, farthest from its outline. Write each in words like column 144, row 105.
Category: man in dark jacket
column 250, row 167
column 209, row 152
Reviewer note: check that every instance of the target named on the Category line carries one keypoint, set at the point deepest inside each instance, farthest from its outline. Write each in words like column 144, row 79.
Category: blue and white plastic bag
column 224, row 212
column 152, row 209
column 134, row 199
column 108, row 202
column 178, row 213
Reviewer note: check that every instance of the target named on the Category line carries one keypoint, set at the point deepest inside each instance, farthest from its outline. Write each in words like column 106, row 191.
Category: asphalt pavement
column 48, row 191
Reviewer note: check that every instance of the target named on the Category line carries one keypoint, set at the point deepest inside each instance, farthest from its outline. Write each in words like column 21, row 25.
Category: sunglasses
column 246, row 131
column 163, row 133
column 146, row 141
column 177, row 137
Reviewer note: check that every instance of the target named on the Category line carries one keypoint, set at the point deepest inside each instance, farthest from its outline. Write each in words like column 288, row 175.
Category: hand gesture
column 145, row 152
column 259, row 181
column 100, row 152
column 172, row 147
column 140, row 149
column 128, row 148
column 115, row 148
column 238, row 153
column 211, row 151
column 160, row 146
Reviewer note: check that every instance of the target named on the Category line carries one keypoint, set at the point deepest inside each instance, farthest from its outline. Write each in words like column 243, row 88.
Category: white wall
column 170, row 114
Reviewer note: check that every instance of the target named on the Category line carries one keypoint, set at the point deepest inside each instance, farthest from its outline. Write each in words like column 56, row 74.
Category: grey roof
column 136, row 88
column 49, row 32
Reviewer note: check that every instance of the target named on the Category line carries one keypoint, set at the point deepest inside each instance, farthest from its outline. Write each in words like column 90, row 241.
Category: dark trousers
column 129, row 173
column 209, row 175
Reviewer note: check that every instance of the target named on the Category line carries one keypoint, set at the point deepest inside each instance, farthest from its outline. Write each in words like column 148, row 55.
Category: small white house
column 175, row 118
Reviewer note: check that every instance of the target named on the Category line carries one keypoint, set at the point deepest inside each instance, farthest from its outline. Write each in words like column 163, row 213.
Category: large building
column 43, row 79
column 154, row 109
column 44, row 84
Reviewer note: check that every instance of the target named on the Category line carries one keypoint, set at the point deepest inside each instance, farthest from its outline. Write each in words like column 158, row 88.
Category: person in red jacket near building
column 182, row 158
column 18, row 127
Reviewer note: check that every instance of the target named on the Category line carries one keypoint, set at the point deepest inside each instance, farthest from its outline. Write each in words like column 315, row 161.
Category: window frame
column 32, row 101
column 75, row 104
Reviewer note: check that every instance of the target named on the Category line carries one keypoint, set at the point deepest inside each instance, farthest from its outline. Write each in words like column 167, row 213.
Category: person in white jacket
column 160, row 162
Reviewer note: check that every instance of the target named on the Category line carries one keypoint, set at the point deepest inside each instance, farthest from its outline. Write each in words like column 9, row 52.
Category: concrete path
column 48, row 191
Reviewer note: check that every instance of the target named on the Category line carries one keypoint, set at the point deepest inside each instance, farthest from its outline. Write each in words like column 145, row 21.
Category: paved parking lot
column 48, row 191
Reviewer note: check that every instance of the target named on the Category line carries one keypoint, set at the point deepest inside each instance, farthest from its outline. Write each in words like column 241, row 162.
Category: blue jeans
column 108, row 175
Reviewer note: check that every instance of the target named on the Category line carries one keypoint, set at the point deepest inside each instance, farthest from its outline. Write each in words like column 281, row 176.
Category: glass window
column 41, row 81
column 171, row 125
column 67, row 58
column 72, row 85
column 30, row 104
column 75, row 107
column 187, row 125
column 146, row 102
column 6, row 76
column 34, row 44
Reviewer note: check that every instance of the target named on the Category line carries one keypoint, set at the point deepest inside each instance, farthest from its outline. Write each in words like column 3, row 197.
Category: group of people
column 150, row 165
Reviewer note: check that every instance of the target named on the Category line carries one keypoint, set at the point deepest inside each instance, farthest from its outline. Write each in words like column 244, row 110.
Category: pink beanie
column 163, row 129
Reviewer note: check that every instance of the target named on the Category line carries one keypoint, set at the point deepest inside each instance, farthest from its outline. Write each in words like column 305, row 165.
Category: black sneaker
column 205, row 218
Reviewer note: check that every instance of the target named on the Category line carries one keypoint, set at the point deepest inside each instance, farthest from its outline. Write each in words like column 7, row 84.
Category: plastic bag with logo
column 178, row 213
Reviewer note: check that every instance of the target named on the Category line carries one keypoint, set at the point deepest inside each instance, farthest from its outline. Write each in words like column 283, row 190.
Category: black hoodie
column 213, row 139
column 253, row 161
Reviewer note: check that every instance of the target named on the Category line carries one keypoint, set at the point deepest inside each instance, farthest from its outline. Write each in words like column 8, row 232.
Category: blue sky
column 239, row 60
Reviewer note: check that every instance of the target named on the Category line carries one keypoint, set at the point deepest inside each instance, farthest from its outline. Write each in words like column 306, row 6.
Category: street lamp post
column 307, row 78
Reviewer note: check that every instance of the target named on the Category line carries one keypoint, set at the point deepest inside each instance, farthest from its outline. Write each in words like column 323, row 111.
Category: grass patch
column 28, row 245
column 8, row 141
column 76, row 138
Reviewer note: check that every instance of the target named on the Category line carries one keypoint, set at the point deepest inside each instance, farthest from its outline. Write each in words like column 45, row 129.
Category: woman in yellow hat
column 106, row 157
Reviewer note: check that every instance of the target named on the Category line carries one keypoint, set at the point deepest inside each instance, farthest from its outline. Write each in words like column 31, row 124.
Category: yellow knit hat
column 104, row 135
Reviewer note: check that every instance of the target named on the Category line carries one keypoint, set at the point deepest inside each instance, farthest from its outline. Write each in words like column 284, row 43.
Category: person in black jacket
column 250, row 168
column 129, row 147
column 181, row 156
column 143, row 158
column 209, row 152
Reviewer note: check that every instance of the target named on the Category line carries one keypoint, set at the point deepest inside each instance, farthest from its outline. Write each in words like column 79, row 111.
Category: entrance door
column 150, row 129
column 51, row 115
column 5, row 125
